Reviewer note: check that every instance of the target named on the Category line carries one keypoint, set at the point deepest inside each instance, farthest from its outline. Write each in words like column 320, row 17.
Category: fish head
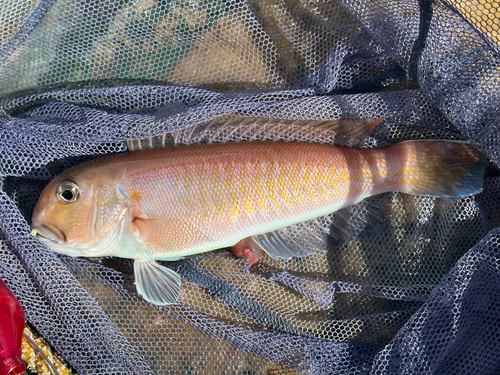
column 69, row 215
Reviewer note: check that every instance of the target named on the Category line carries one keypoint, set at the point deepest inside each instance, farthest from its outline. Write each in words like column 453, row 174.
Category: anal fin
column 277, row 247
column 155, row 283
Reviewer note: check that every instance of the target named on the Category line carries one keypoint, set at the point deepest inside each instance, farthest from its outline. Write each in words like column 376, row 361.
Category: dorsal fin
column 237, row 128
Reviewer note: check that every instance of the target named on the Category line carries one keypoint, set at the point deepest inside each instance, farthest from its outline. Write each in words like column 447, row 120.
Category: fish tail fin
column 446, row 169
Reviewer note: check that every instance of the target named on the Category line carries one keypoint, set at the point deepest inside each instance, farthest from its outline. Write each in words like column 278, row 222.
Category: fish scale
column 215, row 185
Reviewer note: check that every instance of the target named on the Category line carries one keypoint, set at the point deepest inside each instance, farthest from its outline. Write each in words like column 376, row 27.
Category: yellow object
column 36, row 361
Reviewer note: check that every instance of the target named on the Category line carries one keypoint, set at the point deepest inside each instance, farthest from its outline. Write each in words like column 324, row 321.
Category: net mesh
column 417, row 292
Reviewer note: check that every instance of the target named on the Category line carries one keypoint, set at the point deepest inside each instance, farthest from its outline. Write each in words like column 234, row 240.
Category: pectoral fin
column 155, row 283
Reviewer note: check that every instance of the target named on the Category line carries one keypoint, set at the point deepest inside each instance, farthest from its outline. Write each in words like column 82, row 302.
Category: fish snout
column 41, row 226
column 47, row 232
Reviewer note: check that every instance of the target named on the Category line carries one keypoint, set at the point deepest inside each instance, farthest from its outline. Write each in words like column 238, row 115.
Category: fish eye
column 67, row 192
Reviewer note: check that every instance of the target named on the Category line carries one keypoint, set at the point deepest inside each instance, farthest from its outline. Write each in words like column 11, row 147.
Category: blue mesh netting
column 80, row 78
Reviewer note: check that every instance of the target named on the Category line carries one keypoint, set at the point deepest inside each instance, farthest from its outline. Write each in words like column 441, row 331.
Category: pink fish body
column 168, row 203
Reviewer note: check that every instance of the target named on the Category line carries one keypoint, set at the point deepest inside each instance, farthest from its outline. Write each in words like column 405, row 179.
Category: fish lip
column 54, row 239
column 50, row 232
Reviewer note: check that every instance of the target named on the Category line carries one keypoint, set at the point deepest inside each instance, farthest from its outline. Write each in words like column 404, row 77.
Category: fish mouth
column 54, row 239
column 48, row 232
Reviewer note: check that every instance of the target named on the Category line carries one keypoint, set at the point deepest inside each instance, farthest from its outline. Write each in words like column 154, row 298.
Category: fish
column 167, row 203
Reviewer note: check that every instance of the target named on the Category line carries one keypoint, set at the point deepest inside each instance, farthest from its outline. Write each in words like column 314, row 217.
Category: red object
column 247, row 249
column 11, row 333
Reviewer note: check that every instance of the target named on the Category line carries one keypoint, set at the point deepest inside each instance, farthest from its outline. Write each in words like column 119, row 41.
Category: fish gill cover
column 416, row 293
